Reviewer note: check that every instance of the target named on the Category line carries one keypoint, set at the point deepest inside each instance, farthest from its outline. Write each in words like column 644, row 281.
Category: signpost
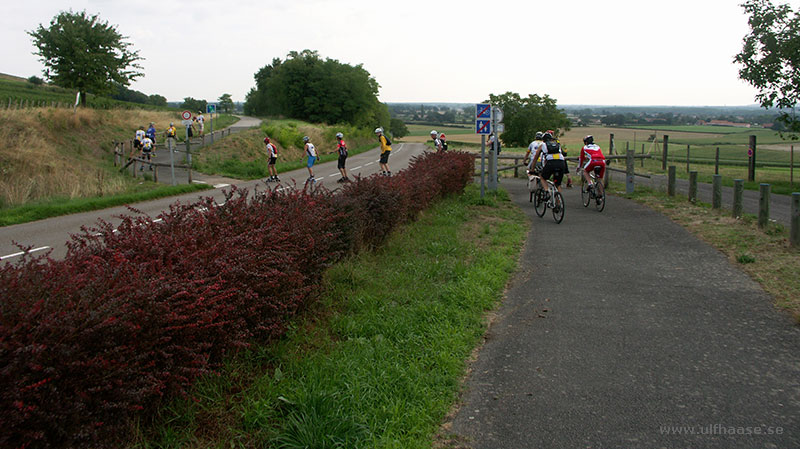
column 211, row 108
column 187, row 122
column 487, row 121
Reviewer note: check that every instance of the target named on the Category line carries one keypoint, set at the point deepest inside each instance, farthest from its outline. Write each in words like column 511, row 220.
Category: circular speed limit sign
column 186, row 115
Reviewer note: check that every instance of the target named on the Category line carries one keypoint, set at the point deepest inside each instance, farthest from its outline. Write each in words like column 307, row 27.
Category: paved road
column 620, row 324
column 53, row 233
column 179, row 157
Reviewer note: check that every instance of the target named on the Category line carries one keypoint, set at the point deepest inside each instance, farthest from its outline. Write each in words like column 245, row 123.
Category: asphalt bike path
column 622, row 330
column 53, row 233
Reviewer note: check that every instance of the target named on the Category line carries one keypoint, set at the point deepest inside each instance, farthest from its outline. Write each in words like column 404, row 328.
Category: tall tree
column 770, row 59
column 524, row 116
column 81, row 52
column 225, row 102
column 193, row 105
column 307, row 87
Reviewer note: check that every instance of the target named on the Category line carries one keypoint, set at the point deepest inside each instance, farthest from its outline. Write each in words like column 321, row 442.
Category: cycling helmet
column 171, row 124
column 588, row 140
column 339, row 135
column 306, row 139
column 552, row 133
column 378, row 130
column 547, row 136
column 539, row 135
column 434, row 133
column 441, row 136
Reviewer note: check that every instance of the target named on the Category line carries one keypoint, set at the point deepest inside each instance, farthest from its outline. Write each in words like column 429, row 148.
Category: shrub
column 132, row 316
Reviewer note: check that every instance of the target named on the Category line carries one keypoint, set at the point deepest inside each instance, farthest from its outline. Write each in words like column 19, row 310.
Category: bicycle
column 598, row 193
column 552, row 198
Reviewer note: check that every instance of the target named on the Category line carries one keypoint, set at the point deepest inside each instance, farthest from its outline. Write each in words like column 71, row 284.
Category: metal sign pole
column 211, row 125
column 171, row 150
column 483, row 165
column 495, row 146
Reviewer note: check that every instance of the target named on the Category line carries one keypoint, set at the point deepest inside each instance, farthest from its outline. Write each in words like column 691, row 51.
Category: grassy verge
column 765, row 254
column 64, row 206
column 378, row 361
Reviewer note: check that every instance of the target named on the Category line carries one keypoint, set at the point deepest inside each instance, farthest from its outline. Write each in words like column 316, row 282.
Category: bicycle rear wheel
column 600, row 196
column 585, row 195
column 558, row 210
column 539, row 203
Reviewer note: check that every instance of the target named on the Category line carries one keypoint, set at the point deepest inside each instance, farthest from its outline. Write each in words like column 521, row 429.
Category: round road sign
column 750, row 152
column 186, row 115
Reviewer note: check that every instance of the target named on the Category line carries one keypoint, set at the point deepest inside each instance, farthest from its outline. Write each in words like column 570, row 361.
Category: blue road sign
column 483, row 127
column 211, row 108
column 483, row 111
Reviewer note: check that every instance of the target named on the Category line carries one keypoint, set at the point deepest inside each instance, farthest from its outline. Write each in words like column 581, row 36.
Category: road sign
column 186, row 115
column 483, row 111
column 749, row 152
column 187, row 123
column 483, row 127
column 498, row 114
column 500, row 128
column 211, row 108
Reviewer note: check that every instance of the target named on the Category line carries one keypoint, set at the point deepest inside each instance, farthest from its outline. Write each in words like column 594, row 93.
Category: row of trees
column 306, row 87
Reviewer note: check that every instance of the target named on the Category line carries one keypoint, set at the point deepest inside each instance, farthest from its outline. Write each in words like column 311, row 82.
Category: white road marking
column 369, row 163
column 199, row 182
column 23, row 252
column 219, row 186
column 357, row 168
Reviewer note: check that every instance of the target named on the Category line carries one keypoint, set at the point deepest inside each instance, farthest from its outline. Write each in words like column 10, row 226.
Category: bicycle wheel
column 585, row 195
column 539, row 203
column 558, row 210
column 600, row 196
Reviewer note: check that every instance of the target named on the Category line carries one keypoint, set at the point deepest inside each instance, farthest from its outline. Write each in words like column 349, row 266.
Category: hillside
column 57, row 153
column 16, row 91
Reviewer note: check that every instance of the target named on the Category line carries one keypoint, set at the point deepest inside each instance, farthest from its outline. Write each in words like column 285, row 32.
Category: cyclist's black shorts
column 342, row 160
column 556, row 168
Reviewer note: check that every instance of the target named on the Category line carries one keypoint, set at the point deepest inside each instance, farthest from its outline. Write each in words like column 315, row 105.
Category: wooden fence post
column 642, row 155
column 716, row 192
column 751, row 172
column 670, row 181
column 738, row 194
column 794, row 233
column 611, row 143
column 763, row 205
column 693, row 186
column 687, row 158
column 716, row 163
column 791, row 168
column 664, row 154
column 629, row 160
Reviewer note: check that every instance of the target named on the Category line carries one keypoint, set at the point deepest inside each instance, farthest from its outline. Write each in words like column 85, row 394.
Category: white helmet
column 339, row 135
column 434, row 133
column 306, row 139
column 378, row 130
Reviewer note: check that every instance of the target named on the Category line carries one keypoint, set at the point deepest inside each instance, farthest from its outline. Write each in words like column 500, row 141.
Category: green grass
column 379, row 360
column 425, row 130
column 63, row 206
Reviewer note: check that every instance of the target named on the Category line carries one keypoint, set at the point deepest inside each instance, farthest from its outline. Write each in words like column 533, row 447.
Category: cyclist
column 341, row 147
column 311, row 152
column 553, row 161
column 535, row 145
column 272, row 155
column 564, row 153
column 386, row 149
column 443, row 139
column 591, row 156
column 437, row 143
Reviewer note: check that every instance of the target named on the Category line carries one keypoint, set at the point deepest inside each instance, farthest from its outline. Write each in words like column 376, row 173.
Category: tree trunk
column 83, row 99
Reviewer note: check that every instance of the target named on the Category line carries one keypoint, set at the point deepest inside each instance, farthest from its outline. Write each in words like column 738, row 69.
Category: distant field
column 698, row 129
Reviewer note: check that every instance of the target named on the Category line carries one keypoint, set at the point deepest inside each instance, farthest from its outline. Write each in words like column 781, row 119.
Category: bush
column 132, row 316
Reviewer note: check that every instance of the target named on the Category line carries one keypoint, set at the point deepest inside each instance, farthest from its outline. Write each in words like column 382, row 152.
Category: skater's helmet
column 378, row 130
column 306, row 139
column 539, row 135
column 266, row 139
column 339, row 135
column 434, row 133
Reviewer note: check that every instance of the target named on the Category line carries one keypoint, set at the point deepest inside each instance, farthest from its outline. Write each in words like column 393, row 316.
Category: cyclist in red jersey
column 591, row 156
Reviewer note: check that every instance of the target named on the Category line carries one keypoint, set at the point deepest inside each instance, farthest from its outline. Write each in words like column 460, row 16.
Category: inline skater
column 272, row 158
column 311, row 152
column 386, row 149
column 341, row 147
column 437, row 143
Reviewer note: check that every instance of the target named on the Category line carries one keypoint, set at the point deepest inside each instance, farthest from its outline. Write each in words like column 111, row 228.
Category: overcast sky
column 612, row 52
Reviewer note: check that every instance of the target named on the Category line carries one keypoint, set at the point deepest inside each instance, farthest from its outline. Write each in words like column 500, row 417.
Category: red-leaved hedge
column 133, row 316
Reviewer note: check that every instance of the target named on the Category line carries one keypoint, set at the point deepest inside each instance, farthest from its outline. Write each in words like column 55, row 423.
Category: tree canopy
column 225, row 102
column 770, row 59
column 190, row 104
column 81, row 52
column 523, row 117
column 307, row 87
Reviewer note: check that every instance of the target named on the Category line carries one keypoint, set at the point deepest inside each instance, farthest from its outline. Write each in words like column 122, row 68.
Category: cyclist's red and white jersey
column 591, row 153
